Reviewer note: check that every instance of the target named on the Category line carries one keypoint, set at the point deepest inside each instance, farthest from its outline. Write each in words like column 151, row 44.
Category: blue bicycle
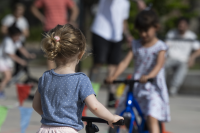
column 131, row 122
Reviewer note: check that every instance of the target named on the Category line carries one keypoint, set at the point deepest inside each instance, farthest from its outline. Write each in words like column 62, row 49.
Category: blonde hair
column 71, row 43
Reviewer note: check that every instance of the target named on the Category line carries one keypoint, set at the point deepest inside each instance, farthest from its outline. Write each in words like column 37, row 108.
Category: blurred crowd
column 108, row 29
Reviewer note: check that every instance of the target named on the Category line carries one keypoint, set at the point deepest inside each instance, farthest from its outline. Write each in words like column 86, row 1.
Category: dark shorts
column 106, row 51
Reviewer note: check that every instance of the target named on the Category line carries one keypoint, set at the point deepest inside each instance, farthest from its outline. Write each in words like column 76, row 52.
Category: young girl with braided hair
column 62, row 93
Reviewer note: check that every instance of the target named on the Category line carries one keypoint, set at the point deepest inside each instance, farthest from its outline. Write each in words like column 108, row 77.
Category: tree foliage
column 168, row 11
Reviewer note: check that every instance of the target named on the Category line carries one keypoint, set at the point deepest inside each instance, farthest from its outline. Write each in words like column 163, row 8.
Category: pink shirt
column 55, row 11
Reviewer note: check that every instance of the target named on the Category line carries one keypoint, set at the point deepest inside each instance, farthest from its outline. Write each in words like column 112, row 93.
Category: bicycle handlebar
column 99, row 120
column 127, row 81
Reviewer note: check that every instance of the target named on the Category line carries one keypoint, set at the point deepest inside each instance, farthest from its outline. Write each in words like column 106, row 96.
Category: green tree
column 168, row 11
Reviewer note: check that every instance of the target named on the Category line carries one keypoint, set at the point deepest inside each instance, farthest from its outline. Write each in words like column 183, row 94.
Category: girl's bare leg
column 7, row 77
column 152, row 124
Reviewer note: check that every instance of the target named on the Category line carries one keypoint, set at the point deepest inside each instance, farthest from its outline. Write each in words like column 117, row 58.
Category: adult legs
column 111, row 71
column 100, row 53
column 111, row 87
column 169, row 65
column 94, row 72
column 94, row 75
column 105, row 51
column 178, row 77
column 114, row 59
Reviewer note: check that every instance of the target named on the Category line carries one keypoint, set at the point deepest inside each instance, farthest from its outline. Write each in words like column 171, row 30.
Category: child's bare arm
column 37, row 103
column 99, row 110
column 156, row 69
column 121, row 67
column 26, row 53
column 17, row 59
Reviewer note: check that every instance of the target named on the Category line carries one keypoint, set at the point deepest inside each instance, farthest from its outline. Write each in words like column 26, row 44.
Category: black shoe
column 111, row 100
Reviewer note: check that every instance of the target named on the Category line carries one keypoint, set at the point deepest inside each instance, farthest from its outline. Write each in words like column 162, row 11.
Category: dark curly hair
column 146, row 19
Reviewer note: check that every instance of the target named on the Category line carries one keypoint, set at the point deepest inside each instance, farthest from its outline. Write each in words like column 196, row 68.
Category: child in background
column 62, row 93
column 21, row 22
column 8, row 48
column 149, row 57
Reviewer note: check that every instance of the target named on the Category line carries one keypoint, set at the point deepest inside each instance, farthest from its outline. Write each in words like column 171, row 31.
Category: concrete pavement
column 185, row 112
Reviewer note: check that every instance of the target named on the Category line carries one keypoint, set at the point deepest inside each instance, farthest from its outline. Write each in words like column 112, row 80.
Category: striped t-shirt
column 55, row 11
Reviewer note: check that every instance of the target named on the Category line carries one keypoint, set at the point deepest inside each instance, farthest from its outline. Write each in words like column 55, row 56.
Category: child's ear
column 81, row 55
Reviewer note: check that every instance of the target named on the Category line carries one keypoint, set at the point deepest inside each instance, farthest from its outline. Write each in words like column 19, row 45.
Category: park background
column 168, row 11
column 185, row 108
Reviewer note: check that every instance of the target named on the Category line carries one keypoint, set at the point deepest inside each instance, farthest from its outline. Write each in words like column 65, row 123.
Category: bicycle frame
column 130, row 104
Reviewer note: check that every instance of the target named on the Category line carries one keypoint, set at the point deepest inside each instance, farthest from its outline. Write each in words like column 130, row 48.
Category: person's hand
column 32, row 56
column 23, row 63
column 116, row 118
column 191, row 62
column 110, row 80
column 144, row 79
column 129, row 40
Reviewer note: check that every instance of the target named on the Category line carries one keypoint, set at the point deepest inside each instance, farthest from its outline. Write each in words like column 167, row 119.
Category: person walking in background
column 179, row 55
column 21, row 23
column 107, row 33
column 55, row 12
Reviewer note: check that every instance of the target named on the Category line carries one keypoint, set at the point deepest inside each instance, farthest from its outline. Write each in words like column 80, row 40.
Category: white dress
column 8, row 47
column 152, row 97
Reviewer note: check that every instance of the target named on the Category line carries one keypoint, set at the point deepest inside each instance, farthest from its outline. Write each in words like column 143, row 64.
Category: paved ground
column 185, row 112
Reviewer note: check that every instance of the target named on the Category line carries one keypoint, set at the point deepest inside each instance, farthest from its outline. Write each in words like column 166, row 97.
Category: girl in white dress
column 149, row 58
